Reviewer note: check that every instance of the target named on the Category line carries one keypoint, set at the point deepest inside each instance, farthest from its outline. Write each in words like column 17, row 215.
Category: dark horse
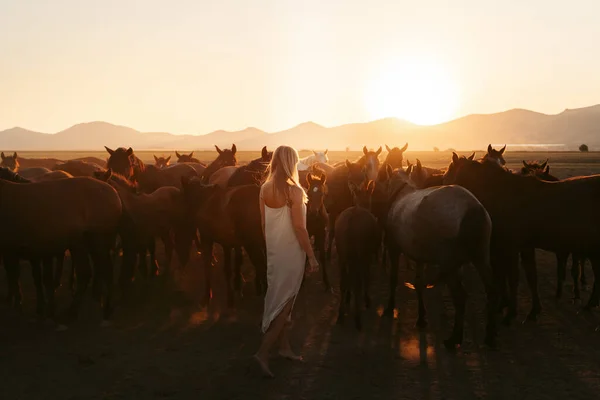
column 317, row 218
column 226, row 158
column 339, row 197
column 357, row 242
column 527, row 212
column 395, row 156
column 252, row 173
column 231, row 218
column 123, row 162
column 79, row 214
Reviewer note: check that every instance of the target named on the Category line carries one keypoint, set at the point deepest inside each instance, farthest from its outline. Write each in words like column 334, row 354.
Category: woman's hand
column 313, row 264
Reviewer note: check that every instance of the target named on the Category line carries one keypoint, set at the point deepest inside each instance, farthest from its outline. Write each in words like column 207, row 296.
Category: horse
column 306, row 162
column 124, row 162
column 186, row 158
column 79, row 168
column 395, row 156
column 79, row 214
column 91, row 160
column 226, row 158
column 52, row 176
column 14, row 161
column 145, row 217
column 252, row 173
column 317, row 218
column 527, row 213
column 324, row 168
column 231, row 218
column 32, row 173
column 162, row 162
column 152, row 177
column 444, row 226
column 424, row 177
column 357, row 242
column 542, row 171
column 494, row 156
column 339, row 197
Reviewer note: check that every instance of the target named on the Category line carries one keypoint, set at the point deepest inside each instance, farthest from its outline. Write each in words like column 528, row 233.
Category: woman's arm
column 299, row 222
column 261, row 201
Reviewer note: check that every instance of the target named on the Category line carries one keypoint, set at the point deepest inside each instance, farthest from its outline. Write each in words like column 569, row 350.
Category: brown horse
column 226, row 158
column 443, row 226
column 32, row 173
column 252, row 173
column 124, row 162
column 324, row 168
column 152, row 178
column 13, row 162
column 527, row 212
column 145, row 218
column 357, row 242
column 221, row 176
column 395, row 156
column 186, row 158
column 162, row 162
column 79, row 168
column 231, row 218
column 494, row 156
column 91, row 160
column 79, row 214
column 339, row 197
column 424, row 177
column 317, row 218
column 52, row 176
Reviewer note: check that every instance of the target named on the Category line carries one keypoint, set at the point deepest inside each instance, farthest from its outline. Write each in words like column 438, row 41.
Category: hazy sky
column 197, row 66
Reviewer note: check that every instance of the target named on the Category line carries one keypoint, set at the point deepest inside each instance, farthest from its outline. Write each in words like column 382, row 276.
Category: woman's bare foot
column 289, row 354
column 263, row 366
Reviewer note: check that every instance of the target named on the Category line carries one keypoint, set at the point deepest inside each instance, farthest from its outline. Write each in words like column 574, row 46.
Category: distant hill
column 568, row 129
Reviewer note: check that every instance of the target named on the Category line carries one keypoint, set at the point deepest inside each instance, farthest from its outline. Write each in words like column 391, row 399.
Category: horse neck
column 212, row 168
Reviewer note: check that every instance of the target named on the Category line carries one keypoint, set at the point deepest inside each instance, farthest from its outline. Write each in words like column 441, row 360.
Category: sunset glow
column 422, row 92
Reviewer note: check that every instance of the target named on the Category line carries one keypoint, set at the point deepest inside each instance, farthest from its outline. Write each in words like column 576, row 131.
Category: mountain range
column 518, row 128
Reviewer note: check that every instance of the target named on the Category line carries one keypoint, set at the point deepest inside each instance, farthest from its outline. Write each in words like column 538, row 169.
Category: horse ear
column 547, row 170
column 408, row 164
column 378, row 152
column 404, row 148
column 419, row 164
column 388, row 148
column 525, row 164
column 544, row 164
column 409, row 169
column 218, row 149
column 314, row 152
column 155, row 158
column 2, row 155
column 365, row 151
column 191, row 154
column 129, row 151
column 454, row 157
column 471, row 157
column 502, row 150
column 489, row 149
column 264, row 153
column 168, row 159
column 15, row 156
column 234, row 149
column 326, row 150
column 110, row 151
column 177, row 154
column 348, row 164
column 371, row 187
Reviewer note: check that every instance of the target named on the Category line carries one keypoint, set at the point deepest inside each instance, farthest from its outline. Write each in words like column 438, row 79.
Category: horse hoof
column 421, row 323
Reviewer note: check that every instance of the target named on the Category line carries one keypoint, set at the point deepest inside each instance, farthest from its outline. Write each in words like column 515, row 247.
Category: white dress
column 285, row 262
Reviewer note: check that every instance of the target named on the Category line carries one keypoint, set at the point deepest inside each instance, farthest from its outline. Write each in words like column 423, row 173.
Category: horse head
column 225, row 158
column 495, row 156
column 395, row 156
column 317, row 189
column 121, row 161
column 10, row 162
column 162, row 162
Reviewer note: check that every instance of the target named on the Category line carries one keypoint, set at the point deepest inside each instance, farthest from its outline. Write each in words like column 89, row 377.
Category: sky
column 198, row 66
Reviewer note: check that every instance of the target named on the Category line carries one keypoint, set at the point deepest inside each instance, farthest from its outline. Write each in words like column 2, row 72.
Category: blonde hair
column 283, row 172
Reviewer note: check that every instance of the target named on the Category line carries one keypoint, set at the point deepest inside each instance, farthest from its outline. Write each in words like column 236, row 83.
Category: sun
column 422, row 92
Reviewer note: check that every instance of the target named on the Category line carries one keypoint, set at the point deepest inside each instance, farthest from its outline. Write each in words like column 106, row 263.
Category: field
column 163, row 345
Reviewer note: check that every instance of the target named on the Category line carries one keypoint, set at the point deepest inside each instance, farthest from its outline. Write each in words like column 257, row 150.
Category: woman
column 283, row 215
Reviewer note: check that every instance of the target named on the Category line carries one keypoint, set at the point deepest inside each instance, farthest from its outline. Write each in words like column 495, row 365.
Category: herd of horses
column 473, row 212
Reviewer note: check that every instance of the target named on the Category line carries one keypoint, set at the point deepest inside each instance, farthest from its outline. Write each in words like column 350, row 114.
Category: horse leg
column 49, row 283
column 127, row 268
column 238, row 261
column 330, row 235
column 420, row 288
column 459, row 297
column 484, row 269
column 102, row 261
column 343, row 267
column 394, row 255
column 36, row 271
column 320, row 247
column 358, row 289
column 366, row 284
column 576, row 270
column 84, row 273
column 499, row 280
column 228, row 275
column 13, row 272
column 512, row 267
column 594, row 297
column 60, row 260
column 561, row 272
column 258, row 258
column 168, row 244
column 153, row 263
column 207, row 257
column 529, row 265
column 72, row 276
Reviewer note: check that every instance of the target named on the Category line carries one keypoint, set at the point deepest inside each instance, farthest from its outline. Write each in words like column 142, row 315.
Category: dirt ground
column 163, row 345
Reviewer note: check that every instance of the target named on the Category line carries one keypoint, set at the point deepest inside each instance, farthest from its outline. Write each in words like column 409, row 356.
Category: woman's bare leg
column 270, row 337
column 285, row 350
